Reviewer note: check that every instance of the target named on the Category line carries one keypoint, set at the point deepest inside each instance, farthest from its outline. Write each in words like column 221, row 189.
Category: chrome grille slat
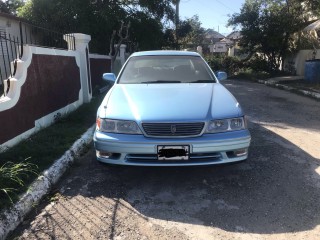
column 180, row 129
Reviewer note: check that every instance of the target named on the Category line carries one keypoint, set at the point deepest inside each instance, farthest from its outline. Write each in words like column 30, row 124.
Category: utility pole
column 176, row 19
column 177, row 3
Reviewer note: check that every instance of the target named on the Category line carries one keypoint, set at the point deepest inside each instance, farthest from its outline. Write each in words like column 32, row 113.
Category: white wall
column 218, row 47
column 301, row 57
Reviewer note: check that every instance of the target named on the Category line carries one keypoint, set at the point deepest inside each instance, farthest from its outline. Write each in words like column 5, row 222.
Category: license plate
column 173, row 153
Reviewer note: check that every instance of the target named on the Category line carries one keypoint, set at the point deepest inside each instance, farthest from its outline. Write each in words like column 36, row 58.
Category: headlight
column 225, row 125
column 117, row 126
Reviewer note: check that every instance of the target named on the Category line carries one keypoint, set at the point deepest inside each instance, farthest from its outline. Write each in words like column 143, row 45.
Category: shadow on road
column 277, row 190
column 273, row 192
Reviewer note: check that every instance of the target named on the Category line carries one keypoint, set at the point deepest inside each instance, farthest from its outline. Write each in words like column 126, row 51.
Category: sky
column 212, row 13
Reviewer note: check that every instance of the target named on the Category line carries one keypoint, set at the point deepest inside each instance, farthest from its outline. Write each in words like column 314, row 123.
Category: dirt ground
column 275, row 194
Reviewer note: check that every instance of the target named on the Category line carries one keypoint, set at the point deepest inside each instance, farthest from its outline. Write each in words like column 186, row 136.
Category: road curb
column 12, row 217
column 291, row 89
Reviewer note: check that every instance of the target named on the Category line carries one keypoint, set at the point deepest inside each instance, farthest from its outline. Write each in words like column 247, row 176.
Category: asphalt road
column 275, row 194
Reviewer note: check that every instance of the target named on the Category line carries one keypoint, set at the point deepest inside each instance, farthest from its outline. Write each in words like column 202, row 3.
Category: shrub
column 258, row 64
column 231, row 65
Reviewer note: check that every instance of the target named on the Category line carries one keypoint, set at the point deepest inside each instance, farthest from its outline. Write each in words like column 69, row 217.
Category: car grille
column 173, row 129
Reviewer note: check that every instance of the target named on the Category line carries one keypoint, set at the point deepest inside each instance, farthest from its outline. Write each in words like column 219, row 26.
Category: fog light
column 237, row 153
column 108, row 155
column 104, row 154
column 240, row 152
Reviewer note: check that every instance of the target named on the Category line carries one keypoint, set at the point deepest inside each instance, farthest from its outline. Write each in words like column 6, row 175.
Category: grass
column 12, row 177
column 39, row 151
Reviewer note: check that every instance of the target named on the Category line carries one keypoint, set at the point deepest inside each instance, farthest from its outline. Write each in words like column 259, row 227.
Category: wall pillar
column 81, row 43
column 122, row 53
column 199, row 50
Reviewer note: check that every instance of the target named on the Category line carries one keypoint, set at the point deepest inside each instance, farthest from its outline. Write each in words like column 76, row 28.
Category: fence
column 11, row 48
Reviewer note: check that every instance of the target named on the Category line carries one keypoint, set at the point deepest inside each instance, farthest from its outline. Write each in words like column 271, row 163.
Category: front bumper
column 139, row 150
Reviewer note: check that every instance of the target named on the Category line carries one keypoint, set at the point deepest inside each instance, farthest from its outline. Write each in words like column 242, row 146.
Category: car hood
column 169, row 102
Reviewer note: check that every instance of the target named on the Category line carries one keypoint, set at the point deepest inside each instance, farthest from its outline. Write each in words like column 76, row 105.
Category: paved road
column 274, row 195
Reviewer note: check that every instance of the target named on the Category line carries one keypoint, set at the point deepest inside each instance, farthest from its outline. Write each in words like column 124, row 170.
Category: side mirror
column 221, row 75
column 109, row 77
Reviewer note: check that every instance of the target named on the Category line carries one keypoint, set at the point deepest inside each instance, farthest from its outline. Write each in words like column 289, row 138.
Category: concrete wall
column 219, row 47
column 299, row 59
column 99, row 64
column 47, row 82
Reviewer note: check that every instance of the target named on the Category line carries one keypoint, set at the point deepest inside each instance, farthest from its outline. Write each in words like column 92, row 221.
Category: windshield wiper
column 204, row 81
column 162, row 81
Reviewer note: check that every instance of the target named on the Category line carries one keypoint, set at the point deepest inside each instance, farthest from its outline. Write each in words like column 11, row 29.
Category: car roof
column 165, row 53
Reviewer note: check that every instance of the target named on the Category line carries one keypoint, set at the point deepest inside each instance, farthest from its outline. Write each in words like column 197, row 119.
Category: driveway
column 275, row 194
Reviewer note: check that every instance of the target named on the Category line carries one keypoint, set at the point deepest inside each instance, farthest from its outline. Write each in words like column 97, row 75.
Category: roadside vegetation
column 253, row 69
column 267, row 28
column 12, row 177
column 21, row 164
column 257, row 69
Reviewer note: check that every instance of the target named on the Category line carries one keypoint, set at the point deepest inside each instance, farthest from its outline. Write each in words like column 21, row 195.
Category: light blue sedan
column 167, row 108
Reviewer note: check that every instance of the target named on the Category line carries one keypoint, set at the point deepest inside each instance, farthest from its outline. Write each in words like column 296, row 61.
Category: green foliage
column 13, row 176
column 11, row 6
column 231, row 65
column 313, row 7
column 100, row 18
column 256, row 66
column 190, row 33
column 142, row 23
column 307, row 40
column 169, row 39
column 268, row 27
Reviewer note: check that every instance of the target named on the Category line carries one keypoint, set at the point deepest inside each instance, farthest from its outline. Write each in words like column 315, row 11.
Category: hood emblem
column 173, row 129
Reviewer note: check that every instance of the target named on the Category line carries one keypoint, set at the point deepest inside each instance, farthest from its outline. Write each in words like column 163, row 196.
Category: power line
column 225, row 5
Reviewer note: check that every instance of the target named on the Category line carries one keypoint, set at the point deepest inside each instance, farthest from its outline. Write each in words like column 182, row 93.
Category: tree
column 268, row 27
column 190, row 33
column 123, row 35
column 100, row 17
column 11, row 6
column 313, row 6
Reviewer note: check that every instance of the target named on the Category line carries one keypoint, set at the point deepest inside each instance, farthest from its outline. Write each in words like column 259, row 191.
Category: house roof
column 226, row 40
column 210, row 33
column 234, row 35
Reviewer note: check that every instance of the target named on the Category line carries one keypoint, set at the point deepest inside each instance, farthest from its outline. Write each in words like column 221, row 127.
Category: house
column 11, row 42
column 212, row 36
column 234, row 47
column 220, row 47
column 221, row 44
column 213, row 39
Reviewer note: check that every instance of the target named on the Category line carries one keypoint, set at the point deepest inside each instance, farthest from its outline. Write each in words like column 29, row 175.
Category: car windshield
column 166, row 69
